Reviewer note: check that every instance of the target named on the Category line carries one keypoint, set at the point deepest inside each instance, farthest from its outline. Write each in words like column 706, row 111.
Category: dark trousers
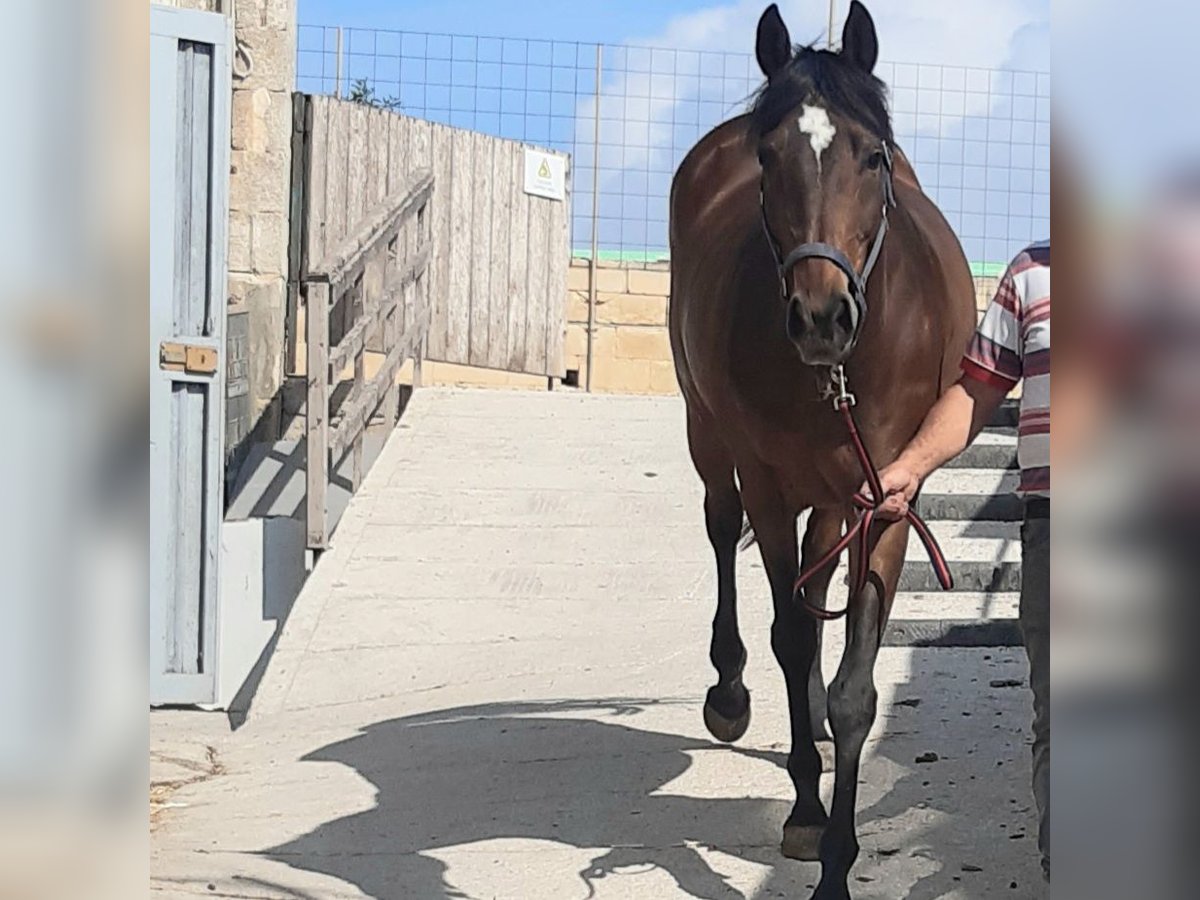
column 1035, row 626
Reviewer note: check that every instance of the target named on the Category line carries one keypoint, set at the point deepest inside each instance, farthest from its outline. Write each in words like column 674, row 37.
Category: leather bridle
column 821, row 250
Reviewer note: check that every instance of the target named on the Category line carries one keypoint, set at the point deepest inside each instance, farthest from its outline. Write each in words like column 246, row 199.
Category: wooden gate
column 498, row 270
column 189, row 178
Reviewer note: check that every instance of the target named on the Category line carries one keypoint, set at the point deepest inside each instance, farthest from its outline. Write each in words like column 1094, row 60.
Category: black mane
column 847, row 88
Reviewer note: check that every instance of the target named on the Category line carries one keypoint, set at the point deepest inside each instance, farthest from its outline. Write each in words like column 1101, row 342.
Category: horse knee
column 852, row 704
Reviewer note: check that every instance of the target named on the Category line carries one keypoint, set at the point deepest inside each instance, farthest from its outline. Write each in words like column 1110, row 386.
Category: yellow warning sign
column 545, row 175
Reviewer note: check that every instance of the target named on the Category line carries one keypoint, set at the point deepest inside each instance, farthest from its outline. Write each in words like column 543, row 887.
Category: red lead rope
column 862, row 528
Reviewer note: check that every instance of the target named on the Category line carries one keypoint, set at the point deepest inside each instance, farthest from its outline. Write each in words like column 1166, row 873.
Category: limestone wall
column 260, row 192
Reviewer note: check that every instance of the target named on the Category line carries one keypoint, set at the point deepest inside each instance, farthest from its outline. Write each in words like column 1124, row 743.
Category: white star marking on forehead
column 815, row 123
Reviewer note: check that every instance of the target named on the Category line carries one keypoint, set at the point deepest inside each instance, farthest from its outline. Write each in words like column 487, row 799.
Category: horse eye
column 875, row 160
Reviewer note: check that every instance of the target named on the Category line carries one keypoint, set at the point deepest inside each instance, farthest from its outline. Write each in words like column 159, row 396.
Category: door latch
column 190, row 358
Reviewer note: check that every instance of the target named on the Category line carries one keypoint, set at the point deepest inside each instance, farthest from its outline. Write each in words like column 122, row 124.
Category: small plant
column 362, row 92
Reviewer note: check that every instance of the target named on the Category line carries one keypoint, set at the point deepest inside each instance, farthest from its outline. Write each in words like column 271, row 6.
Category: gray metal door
column 189, row 171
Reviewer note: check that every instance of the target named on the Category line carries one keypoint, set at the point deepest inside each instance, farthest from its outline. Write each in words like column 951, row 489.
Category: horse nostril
column 846, row 314
column 796, row 324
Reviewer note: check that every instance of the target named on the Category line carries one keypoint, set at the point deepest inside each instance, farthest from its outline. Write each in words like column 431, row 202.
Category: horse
column 808, row 269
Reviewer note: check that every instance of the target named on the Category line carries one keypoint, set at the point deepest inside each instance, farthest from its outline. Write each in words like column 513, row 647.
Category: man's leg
column 1035, row 625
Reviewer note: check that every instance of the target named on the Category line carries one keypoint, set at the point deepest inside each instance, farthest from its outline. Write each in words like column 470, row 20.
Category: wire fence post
column 337, row 65
column 832, row 13
column 594, row 263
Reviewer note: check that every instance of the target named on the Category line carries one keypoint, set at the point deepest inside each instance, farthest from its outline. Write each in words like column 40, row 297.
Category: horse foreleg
column 822, row 532
column 794, row 642
column 852, row 703
column 727, row 706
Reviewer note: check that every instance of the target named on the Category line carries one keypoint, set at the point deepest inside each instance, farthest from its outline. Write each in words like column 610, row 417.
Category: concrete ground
column 491, row 688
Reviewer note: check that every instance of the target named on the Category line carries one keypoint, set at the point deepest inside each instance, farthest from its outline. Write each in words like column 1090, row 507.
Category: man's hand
column 900, row 485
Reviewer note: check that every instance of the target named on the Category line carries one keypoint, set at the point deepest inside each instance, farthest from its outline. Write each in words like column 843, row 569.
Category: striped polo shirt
column 1013, row 343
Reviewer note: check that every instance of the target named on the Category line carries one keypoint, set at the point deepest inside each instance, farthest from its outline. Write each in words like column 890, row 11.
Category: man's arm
column 949, row 428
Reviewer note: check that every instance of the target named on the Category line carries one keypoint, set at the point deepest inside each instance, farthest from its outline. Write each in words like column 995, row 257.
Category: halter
column 820, row 250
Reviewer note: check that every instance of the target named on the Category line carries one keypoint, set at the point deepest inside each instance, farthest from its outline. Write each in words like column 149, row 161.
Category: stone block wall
column 260, row 192
column 631, row 351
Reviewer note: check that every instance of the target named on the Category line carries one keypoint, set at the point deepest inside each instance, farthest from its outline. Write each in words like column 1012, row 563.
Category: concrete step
column 980, row 575
column 986, row 456
column 967, row 541
column 936, row 605
column 983, row 482
column 1007, row 414
column 981, row 507
column 952, row 633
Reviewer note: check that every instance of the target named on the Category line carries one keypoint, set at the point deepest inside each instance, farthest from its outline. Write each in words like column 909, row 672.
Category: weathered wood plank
column 298, row 219
column 420, row 151
column 496, row 280
column 193, row 315
column 357, row 153
column 419, row 143
column 346, row 259
column 458, row 250
column 397, row 164
column 556, row 299
column 184, row 647
column 518, row 270
column 358, row 411
column 501, row 247
column 356, row 468
column 315, row 190
column 539, row 284
column 336, row 174
column 368, row 326
column 317, row 411
column 379, row 129
column 439, row 274
column 482, row 151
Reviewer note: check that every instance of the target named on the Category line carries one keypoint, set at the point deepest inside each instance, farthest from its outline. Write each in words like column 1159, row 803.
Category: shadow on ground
column 535, row 771
column 580, row 774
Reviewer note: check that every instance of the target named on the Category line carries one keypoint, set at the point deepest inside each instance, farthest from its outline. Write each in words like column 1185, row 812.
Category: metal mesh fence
column 978, row 138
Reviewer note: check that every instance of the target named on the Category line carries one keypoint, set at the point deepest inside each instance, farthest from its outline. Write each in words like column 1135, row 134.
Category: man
column 1011, row 345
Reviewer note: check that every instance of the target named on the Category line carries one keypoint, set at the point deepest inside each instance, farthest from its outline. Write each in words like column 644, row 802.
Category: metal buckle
column 841, row 393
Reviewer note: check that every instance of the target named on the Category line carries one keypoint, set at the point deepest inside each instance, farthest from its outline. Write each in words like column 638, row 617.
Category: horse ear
column 859, row 42
column 774, row 45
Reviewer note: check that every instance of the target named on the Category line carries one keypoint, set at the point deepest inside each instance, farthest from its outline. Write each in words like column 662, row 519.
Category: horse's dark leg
column 794, row 641
column 727, row 706
column 852, row 701
column 822, row 532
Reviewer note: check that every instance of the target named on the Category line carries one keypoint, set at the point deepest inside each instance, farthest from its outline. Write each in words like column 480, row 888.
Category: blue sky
column 977, row 131
column 610, row 21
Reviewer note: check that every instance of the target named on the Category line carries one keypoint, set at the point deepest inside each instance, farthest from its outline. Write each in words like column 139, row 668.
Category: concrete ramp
column 491, row 686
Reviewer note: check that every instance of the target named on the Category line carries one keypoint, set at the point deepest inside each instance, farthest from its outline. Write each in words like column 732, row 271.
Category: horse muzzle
column 824, row 336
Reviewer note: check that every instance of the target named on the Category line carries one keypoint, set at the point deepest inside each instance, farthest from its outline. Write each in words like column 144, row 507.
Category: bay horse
column 803, row 247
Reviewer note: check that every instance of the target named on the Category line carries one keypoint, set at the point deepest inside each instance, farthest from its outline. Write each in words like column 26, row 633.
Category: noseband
column 819, row 250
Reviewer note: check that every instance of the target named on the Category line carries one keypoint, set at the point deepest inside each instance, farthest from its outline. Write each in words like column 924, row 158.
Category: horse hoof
column 725, row 729
column 802, row 842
